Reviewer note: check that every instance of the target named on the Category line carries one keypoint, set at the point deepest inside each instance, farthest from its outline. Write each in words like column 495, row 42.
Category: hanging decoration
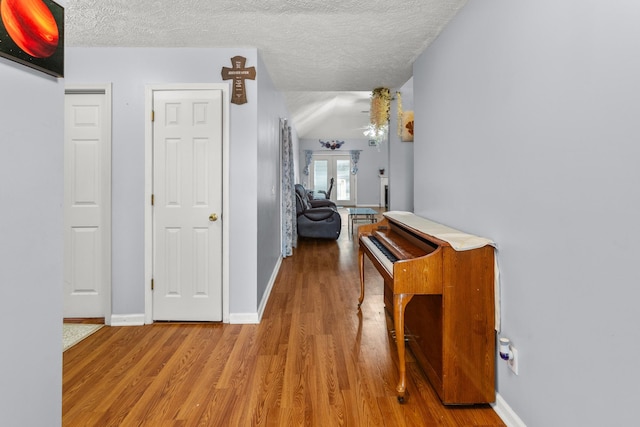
column 333, row 144
column 380, row 107
column 238, row 73
column 406, row 134
column 32, row 34
column 399, row 108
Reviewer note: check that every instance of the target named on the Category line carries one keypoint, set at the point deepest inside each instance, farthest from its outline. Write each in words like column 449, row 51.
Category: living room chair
column 316, row 218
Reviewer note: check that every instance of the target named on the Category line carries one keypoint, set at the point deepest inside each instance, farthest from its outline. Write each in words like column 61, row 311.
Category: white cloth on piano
column 458, row 240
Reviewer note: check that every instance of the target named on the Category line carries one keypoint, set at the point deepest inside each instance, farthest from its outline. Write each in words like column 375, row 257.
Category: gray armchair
column 316, row 218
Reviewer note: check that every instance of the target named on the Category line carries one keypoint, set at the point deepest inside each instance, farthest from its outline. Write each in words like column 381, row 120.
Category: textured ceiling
column 314, row 50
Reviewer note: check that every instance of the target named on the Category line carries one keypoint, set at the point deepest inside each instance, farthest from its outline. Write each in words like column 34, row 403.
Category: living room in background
column 337, row 166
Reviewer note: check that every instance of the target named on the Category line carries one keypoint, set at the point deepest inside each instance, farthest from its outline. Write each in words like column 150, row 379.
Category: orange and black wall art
column 32, row 33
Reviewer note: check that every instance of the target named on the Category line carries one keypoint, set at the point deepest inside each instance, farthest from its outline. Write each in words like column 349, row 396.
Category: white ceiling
column 325, row 55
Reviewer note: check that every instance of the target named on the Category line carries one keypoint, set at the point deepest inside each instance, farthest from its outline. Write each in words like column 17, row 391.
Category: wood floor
column 314, row 360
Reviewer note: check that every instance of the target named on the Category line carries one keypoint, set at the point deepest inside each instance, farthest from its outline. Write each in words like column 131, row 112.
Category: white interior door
column 187, row 189
column 338, row 167
column 87, row 203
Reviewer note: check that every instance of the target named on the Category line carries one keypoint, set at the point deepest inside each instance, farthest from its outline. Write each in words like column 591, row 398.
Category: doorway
column 337, row 167
column 87, row 202
column 186, row 231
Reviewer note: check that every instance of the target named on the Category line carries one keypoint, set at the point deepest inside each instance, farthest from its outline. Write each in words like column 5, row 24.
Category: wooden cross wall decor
column 238, row 73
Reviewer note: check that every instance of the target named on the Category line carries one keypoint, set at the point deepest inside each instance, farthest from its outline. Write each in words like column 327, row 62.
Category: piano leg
column 400, row 302
column 361, row 263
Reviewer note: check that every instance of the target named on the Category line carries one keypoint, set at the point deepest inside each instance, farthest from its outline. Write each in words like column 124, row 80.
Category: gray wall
column 31, row 193
column 527, row 133
column 271, row 109
column 130, row 69
column 400, row 156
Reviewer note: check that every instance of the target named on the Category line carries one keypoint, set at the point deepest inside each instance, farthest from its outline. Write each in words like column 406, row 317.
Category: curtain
column 308, row 156
column 355, row 158
column 289, row 224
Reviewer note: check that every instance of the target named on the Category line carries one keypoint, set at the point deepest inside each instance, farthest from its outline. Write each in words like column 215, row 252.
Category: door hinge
column 153, row 116
column 151, row 284
column 153, row 199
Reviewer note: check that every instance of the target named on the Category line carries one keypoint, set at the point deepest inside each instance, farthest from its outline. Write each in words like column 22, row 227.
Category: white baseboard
column 504, row 411
column 254, row 318
column 127, row 319
column 234, row 318
column 243, row 318
column 267, row 292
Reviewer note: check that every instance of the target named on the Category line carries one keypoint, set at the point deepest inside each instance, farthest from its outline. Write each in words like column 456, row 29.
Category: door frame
column 148, row 189
column 353, row 178
column 102, row 89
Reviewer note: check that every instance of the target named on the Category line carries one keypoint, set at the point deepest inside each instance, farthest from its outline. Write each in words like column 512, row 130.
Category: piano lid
column 458, row 240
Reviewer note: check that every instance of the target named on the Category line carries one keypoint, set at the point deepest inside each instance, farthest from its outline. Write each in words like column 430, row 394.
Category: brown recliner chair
column 316, row 218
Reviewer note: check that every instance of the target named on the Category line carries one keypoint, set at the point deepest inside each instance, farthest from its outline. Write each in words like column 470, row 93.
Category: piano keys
column 439, row 289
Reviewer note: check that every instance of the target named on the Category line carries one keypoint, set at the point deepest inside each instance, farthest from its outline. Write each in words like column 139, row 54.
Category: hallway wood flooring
column 314, row 360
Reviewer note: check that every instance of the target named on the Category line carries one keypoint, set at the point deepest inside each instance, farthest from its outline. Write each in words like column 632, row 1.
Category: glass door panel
column 320, row 175
column 338, row 167
column 343, row 179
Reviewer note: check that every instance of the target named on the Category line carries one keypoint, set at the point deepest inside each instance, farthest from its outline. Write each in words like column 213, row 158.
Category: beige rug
column 73, row 333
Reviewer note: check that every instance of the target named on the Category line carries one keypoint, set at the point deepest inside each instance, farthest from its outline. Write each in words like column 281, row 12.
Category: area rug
column 73, row 333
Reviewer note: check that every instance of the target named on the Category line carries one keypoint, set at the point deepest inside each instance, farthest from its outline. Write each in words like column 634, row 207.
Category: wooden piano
column 449, row 323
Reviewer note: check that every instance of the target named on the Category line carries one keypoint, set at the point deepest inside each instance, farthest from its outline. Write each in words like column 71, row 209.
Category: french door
column 338, row 167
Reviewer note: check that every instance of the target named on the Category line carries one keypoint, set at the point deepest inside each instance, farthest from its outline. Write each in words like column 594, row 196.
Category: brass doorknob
column 213, row 217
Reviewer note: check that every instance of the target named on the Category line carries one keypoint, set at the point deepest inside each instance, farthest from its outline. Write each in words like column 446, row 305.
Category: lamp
column 375, row 133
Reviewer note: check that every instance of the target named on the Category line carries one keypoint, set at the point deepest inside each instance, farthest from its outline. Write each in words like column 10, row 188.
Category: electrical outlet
column 513, row 362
